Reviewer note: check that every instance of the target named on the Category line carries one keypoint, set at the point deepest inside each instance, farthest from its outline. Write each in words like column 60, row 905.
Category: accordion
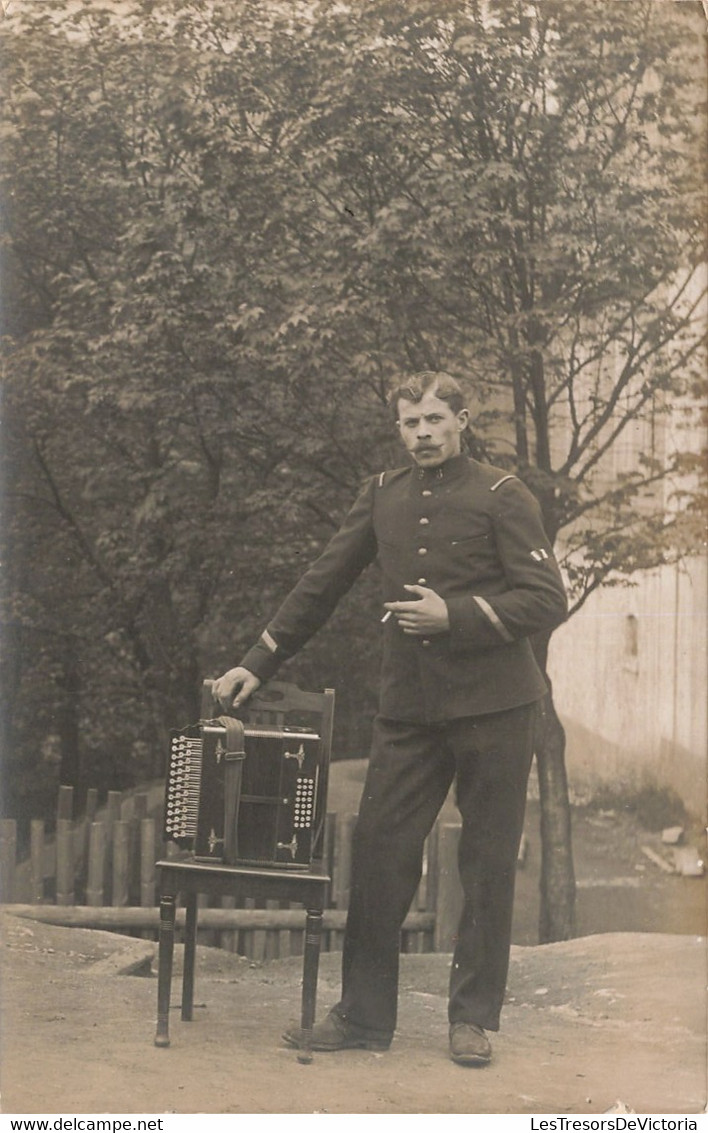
column 246, row 795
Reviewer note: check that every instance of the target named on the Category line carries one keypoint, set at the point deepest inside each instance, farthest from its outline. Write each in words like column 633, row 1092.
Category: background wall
column 630, row 679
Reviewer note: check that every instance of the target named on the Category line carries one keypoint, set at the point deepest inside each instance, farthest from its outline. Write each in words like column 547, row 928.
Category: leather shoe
column 336, row 1033
column 469, row 1045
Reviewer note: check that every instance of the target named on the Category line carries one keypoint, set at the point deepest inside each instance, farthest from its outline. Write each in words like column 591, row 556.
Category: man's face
column 430, row 430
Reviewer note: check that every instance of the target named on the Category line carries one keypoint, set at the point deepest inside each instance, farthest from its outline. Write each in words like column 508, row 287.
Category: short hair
column 414, row 389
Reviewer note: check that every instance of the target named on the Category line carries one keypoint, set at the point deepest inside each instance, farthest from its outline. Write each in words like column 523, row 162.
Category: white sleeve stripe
column 269, row 641
column 502, row 481
column 493, row 618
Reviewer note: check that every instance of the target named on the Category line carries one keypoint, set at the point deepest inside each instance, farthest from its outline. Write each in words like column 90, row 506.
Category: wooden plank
column 65, row 803
column 148, row 880
column 328, row 855
column 228, row 940
column 330, row 833
column 449, row 890
column 91, row 804
column 37, row 835
column 283, row 936
column 65, row 862
column 258, row 938
column 96, row 864
column 121, row 863
column 80, row 842
column 113, row 802
column 341, row 879
column 271, row 949
column 431, row 883
column 296, row 944
column 140, row 806
column 138, row 813
column 8, row 857
column 113, row 806
column 212, row 919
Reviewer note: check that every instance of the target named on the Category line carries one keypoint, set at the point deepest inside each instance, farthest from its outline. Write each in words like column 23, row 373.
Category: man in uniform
column 468, row 575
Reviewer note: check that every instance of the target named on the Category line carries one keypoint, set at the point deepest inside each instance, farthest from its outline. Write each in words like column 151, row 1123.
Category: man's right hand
column 234, row 688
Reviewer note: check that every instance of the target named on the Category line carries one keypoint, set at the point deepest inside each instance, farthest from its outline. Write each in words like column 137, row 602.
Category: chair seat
column 308, row 887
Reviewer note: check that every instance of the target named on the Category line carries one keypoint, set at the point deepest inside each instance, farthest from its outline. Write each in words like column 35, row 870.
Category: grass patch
column 655, row 808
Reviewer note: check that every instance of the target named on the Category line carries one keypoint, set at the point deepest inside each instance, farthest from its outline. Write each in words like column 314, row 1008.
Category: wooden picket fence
column 98, row 871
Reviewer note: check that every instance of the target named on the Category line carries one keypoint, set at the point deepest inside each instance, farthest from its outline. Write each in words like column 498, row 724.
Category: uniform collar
column 450, row 470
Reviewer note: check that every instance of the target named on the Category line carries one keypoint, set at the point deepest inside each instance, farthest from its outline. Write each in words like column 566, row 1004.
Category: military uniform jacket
column 473, row 534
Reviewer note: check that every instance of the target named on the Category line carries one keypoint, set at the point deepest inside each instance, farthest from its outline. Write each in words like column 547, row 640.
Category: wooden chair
column 275, row 706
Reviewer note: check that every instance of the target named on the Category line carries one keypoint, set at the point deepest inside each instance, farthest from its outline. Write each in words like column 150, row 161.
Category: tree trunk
column 66, row 716
column 557, row 885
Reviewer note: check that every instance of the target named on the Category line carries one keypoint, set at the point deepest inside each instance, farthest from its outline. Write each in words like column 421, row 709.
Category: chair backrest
column 279, row 704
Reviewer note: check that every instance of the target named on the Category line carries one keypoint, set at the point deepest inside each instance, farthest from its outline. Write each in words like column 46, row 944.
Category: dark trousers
column 410, row 772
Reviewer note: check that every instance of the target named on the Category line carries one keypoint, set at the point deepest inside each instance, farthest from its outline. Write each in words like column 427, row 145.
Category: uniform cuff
column 261, row 661
column 474, row 625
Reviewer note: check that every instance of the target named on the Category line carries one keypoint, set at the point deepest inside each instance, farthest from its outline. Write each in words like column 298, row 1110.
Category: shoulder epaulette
column 502, row 481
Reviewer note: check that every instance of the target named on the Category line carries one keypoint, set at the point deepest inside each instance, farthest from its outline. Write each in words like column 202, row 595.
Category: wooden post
column 96, row 864
column 113, row 801
column 121, row 862
column 91, row 804
column 148, row 883
column 330, row 831
column 8, row 853
column 90, row 811
column 136, row 875
column 81, row 837
column 296, row 944
column 65, row 803
column 431, row 886
column 449, row 890
column 65, row 862
column 271, row 943
column 329, row 845
column 228, row 940
column 37, row 860
column 341, row 876
column 283, row 935
column 113, row 806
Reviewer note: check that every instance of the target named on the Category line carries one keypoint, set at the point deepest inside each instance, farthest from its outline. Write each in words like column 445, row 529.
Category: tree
column 217, row 214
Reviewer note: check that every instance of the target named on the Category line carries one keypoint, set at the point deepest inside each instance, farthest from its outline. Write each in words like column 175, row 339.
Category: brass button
column 422, row 581
column 423, row 520
column 425, row 642
column 422, row 550
column 426, row 492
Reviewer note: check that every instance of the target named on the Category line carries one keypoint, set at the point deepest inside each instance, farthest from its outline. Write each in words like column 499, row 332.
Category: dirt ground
column 613, row 1019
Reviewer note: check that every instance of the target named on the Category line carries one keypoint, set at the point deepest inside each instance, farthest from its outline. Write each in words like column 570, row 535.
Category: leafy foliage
column 228, row 226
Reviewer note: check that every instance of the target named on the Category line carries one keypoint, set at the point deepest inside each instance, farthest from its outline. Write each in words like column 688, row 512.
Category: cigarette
column 386, row 616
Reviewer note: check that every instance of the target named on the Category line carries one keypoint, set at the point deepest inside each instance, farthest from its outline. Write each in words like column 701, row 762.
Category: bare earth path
column 616, row 1016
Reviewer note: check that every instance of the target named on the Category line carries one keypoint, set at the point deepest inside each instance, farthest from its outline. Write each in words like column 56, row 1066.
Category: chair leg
column 311, row 961
column 168, row 907
column 190, row 947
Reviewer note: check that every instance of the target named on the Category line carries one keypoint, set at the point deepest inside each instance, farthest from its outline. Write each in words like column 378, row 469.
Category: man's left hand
column 424, row 616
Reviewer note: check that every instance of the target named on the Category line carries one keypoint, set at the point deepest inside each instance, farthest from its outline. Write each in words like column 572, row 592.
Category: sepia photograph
column 354, row 524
